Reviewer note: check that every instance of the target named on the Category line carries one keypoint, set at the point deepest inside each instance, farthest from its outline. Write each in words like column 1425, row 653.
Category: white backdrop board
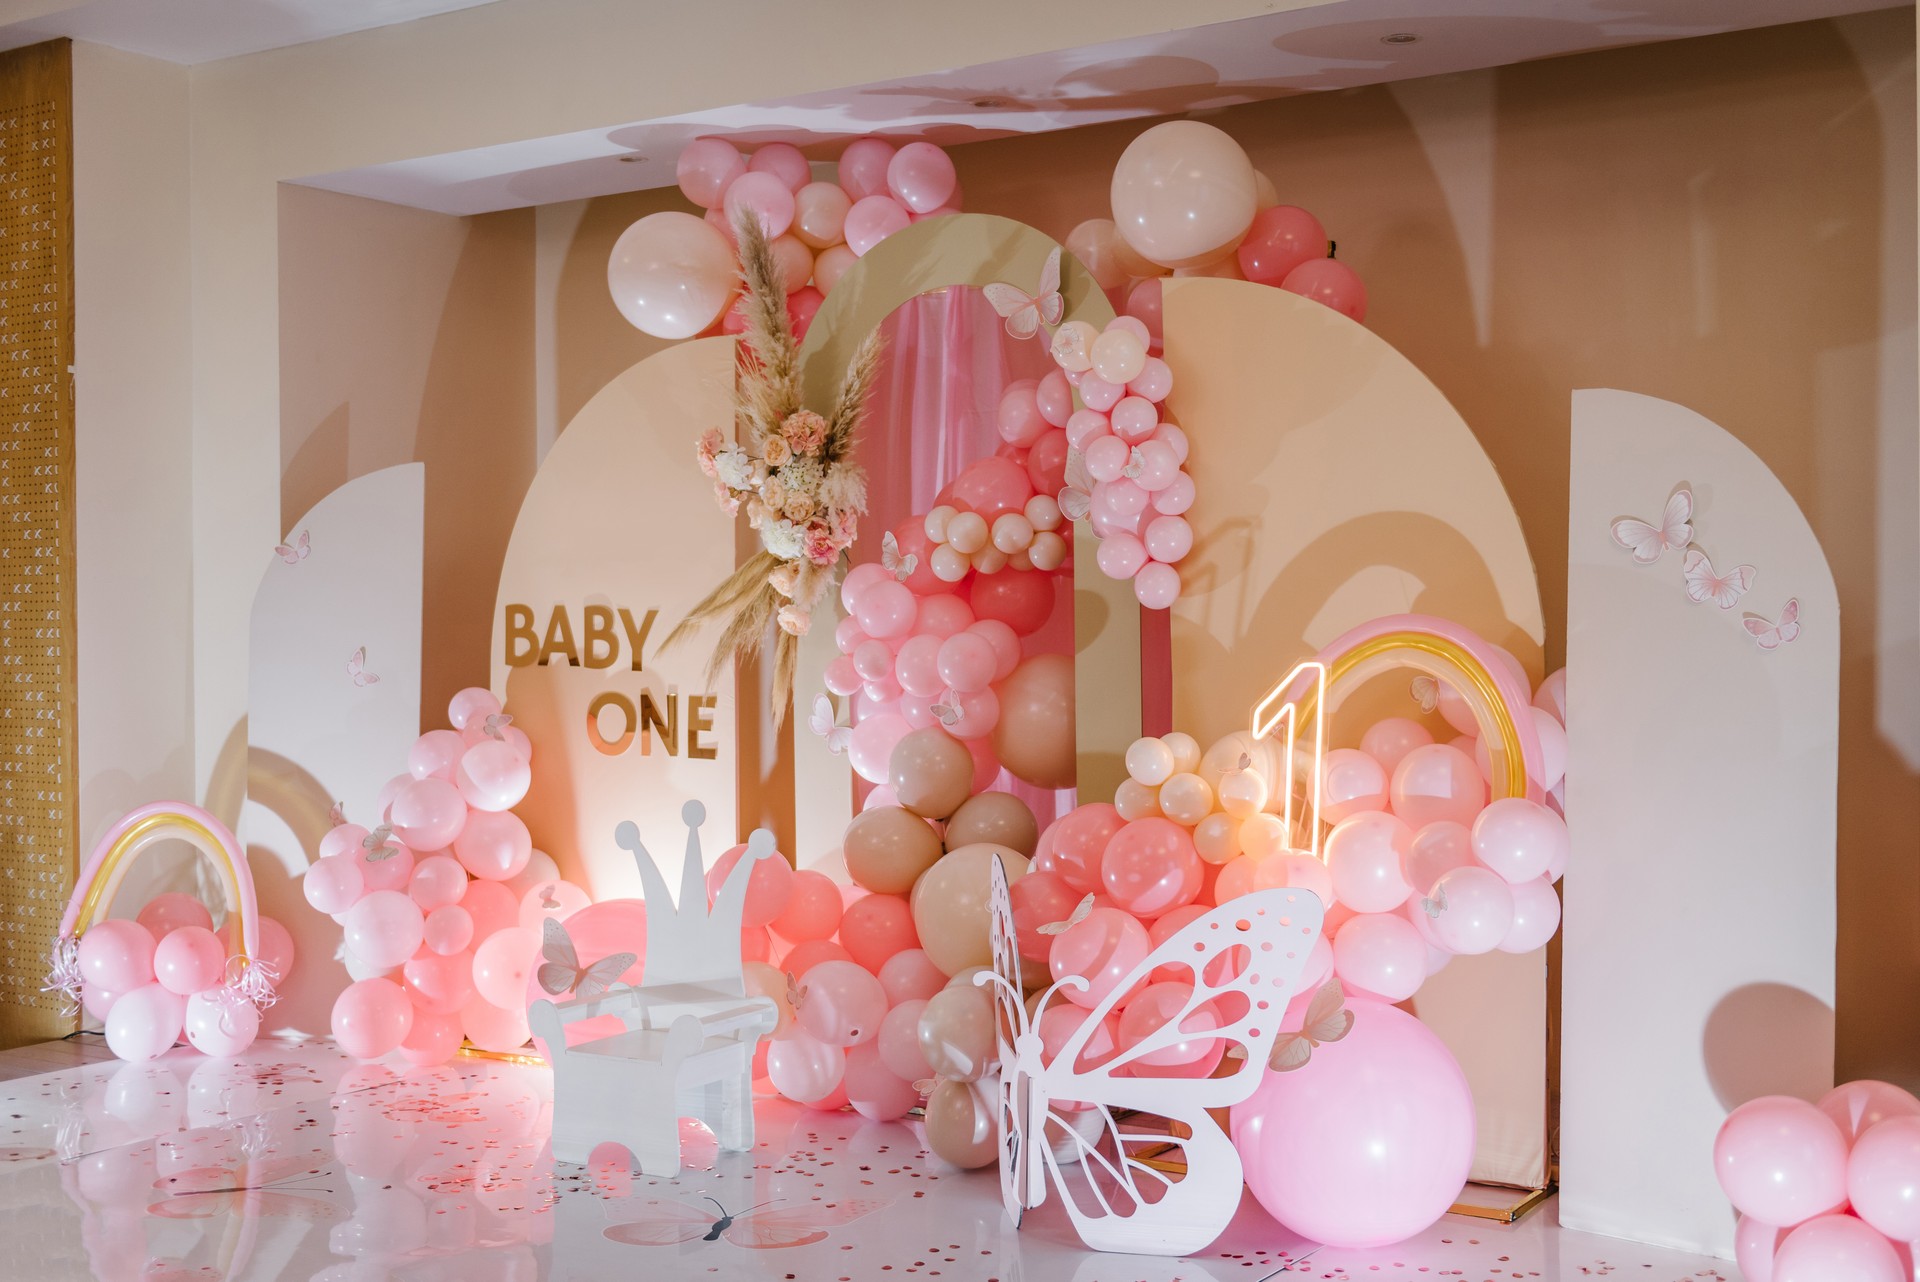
column 1698, row 945
column 316, row 735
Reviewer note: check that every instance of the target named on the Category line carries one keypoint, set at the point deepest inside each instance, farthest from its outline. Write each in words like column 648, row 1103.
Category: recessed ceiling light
column 631, row 158
column 1400, row 38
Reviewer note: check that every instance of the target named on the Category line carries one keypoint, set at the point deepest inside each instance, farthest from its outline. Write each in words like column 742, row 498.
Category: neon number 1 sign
column 1277, row 709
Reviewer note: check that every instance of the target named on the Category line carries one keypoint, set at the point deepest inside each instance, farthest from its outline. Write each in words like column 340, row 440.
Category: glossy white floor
column 294, row 1162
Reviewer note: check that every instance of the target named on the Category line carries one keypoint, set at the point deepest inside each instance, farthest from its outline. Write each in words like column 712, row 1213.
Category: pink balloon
column 1328, row 281
column 1436, row 850
column 1084, row 427
column 1121, row 556
column 435, row 753
column 501, row 964
column 428, row 814
column 992, row 486
column 384, row 801
column 1122, row 499
column 979, row 713
column 1388, row 741
column 492, row 776
column 371, row 1018
column 144, row 1023
column 921, row 177
column 812, row 911
column 1282, row 237
column 385, row 866
column 598, row 931
column 220, row 1023
column 274, row 951
column 863, row 167
column 872, row 660
column 439, row 984
column 117, row 955
column 1054, row 397
column 768, row 198
column 1107, row 458
column 966, row 663
column 841, row 678
column 472, row 705
column 188, row 960
column 383, row 929
column 1133, row 419
column 494, row 1028
column 1004, row 642
column 493, row 844
column 1168, row 538
column 1144, row 305
column 769, row 886
column 873, row 742
column 1381, row 953
column 1153, row 1008
column 1519, row 839
column 166, row 913
column 1079, row 840
column 805, row 1069
column 784, row 161
column 1299, row 872
column 1536, row 916
column 1883, row 1178
column 1754, row 1245
column 437, row 881
column 910, row 974
column 1156, row 586
column 331, row 884
column 872, row 220
column 705, row 169
column 1103, row 949
column 874, row 1090
column 1176, row 498
column 1369, row 1142
column 1159, row 468
column 1040, row 898
column 1150, row 866
column 1047, row 462
column 803, row 957
column 1781, row 1160
column 343, row 839
column 1437, row 782
column 820, row 215
column 899, row 1041
column 433, row 1039
column 942, row 614
column 1478, row 911
column 853, row 590
column 1364, row 853
column 1351, row 783
column 1018, row 417
column 874, row 929
column 1837, row 1248
column 447, row 930
column 886, row 609
column 1155, row 380
column 1858, row 1106
column 492, row 906
column 842, row 1004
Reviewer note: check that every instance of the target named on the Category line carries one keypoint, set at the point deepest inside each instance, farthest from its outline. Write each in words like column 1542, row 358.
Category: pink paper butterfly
column 1328, row 1020
column 1704, row 585
column 1649, row 543
column 1025, row 312
column 562, row 972
column 296, row 552
column 758, row 1228
column 1771, row 636
column 900, row 567
column 1076, row 500
column 357, row 669
column 496, row 725
column 824, row 724
column 1079, row 914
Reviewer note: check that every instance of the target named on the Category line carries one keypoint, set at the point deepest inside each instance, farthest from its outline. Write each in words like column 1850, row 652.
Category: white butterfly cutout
column 824, row 723
column 1426, row 693
column 1074, row 918
column 378, row 845
column 561, row 971
column 1071, row 348
column 1135, row 465
column 1076, row 500
column 1771, row 636
column 1436, row 903
column 900, row 567
column 496, row 725
column 357, row 669
column 295, row 552
column 1025, row 312
column 1704, row 585
column 1327, row 1020
column 947, row 711
column 1649, row 543
column 1244, row 961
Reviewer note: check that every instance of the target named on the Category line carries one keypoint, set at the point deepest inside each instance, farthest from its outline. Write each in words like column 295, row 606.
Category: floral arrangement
column 790, row 470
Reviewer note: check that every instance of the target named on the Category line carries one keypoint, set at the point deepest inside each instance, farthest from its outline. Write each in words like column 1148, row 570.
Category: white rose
column 784, row 539
column 734, row 467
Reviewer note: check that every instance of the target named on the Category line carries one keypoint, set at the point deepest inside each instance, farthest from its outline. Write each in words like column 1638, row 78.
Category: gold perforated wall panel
column 37, row 762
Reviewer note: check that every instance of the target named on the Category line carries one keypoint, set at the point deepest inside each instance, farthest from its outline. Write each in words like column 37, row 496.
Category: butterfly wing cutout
column 780, row 1226
column 1704, row 585
column 1022, row 1182
column 665, row 1224
column 1649, row 543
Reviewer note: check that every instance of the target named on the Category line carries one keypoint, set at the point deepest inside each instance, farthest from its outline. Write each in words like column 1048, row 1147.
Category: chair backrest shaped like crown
column 688, row 942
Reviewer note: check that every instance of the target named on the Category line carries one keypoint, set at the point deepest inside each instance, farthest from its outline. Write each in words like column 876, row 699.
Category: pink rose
column 729, row 501
column 777, row 452
column 822, row 548
column 794, row 621
column 804, row 431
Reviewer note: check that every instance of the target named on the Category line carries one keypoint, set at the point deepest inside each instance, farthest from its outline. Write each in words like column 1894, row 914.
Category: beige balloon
column 930, row 772
column 888, row 847
column 957, row 1032
column 1184, row 193
column 1034, row 736
column 762, row 980
column 996, row 817
column 949, row 905
column 960, row 1125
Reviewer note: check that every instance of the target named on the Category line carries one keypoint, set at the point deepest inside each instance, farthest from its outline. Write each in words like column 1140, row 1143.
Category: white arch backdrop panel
column 314, row 735
column 1337, row 485
column 1699, row 937
column 619, row 518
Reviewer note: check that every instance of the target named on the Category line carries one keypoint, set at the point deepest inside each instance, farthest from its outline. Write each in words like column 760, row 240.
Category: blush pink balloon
column 491, row 905
column 494, row 1028
column 993, row 486
column 332, row 883
column 863, row 167
column 501, row 965
column 1364, row 854
column 1781, row 1160
column 471, row 705
column 371, row 1018
column 1150, row 866
column 1153, row 1008
column 784, row 161
column 1281, row 238
column 942, row 614
column 1351, row 783
column 1040, row 899
column 1168, row 539
column 439, row 984
column 1520, row 839
column 188, row 960
column 492, row 776
column 1331, row 282
column 820, row 215
column 873, row 1089
column 166, row 913
column 274, row 950
column 556, row 898
column 1058, row 1023
column 843, row 1004
column 1103, row 948
column 769, row 886
column 872, row 220
column 813, row 908
column 1436, row 849
column 886, row 609
column 145, row 1023
column 1121, row 555
column 979, row 713
column 220, row 1023
column 1004, row 642
column 447, row 930
column 1478, row 911
column 910, row 974
column 437, row 881
column 343, row 839
column 803, row 1068
column 1838, row 1248
column 853, row 589
column 1018, row 417
column 493, row 844
column 876, row 928
column 966, row 663
column 1047, row 462
column 1754, row 1245
column 1381, row 953
column 387, row 866
column 872, row 744
column 766, row 197
column 1858, row 1106
column 433, row 1039
column 1159, row 468
column 706, row 167
column 428, row 814
column 840, row 676
column 1389, row 740
column 1079, row 840
column 1883, row 1178
column 1156, row 586
column 1437, row 782
column 435, row 753
column 921, row 177
column 899, row 1040
column 384, row 928
column 117, row 955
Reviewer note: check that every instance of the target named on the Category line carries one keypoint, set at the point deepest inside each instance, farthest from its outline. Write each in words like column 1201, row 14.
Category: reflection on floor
column 294, row 1162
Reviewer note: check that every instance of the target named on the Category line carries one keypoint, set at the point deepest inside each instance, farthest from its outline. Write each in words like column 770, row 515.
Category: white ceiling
column 1331, row 46
column 190, row 31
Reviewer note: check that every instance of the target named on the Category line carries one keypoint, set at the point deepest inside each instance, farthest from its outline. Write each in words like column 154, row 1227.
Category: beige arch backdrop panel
column 961, row 249
column 1336, row 485
column 620, row 531
column 1701, row 795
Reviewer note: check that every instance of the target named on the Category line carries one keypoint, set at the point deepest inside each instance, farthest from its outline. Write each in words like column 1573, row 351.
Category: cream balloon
column 960, row 1125
column 1034, row 737
column 1184, row 194
column 949, row 903
column 671, row 274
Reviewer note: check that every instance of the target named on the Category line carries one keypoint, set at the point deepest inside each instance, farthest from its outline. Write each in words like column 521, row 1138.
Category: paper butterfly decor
column 900, row 567
column 357, row 668
column 1649, row 542
column 296, row 552
column 1243, row 961
column 1025, row 313
column 825, row 723
column 561, row 972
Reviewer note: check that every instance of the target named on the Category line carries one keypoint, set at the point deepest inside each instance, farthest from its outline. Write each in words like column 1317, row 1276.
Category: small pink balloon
column 899, row 1041
column 863, row 167
column 275, row 950
column 853, row 590
column 1856, row 1107
column 1004, row 642
column 220, row 1023
column 992, row 487
column 1351, row 783
column 1883, row 1178
column 331, row 884
column 1103, row 948
column 493, row 844
column 917, row 667
column 966, row 663
column 921, row 177
column 841, row 677
column 872, row 660
column 1054, row 397
column 383, row 929
column 763, row 195
column 1282, row 238
column 784, row 161
column 1364, row 853
column 428, row 814
column 472, row 704
column 501, row 963
column 1536, row 916
column 492, row 776
column 145, row 1023
column 494, row 1028
column 1389, row 740
column 1168, row 539
column 1122, row 498
column 1437, row 782
column 805, row 1069
column 1176, row 498
column 871, row 747
column 447, row 930
column 1057, row 1025
column 343, row 839
column 943, row 614
column 886, row 610
column 1084, row 427
column 872, row 220
column 769, row 885
column 439, row 983
column 842, row 1004
column 1151, row 867
column 706, row 167
column 1476, row 911
column 820, row 215
column 434, row 754
column 1154, row 382
column 1097, row 393
column 386, row 865
column 1133, row 419
column 433, row 1039
column 1018, row 417
column 1382, row 953
column 188, row 960
column 1838, row 1248
column 117, row 955
column 1107, row 458
column 1159, row 467
column 910, row 974
column 437, row 881
column 1156, row 586
column 1144, row 305
column 1121, row 556
column 1754, row 1245
column 873, row 1089
column 1328, row 281
column 1436, row 850
column 166, row 913
column 371, row 1018
column 1519, row 839
column 978, row 713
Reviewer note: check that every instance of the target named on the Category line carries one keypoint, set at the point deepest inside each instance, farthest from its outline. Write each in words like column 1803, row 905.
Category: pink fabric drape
column 934, row 410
